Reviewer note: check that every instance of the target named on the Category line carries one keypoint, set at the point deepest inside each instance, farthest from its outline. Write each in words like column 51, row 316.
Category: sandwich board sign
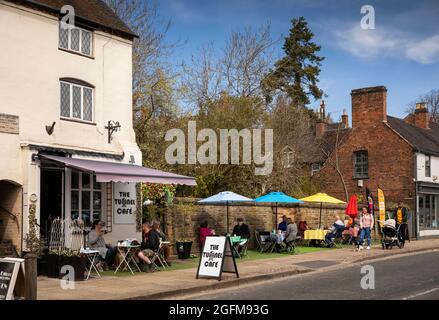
column 11, row 277
column 217, row 257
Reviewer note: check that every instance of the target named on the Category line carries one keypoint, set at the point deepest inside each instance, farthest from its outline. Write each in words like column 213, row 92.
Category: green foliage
column 296, row 74
column 33, row 242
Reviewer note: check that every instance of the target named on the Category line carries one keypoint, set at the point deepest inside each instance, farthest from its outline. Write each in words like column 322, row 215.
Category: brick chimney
column 422, row 118
column 369, row 106
column 345, row 119
column 321, row 124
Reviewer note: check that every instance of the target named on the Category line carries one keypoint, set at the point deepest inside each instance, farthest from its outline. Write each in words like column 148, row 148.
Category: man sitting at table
column 241, row 230
column 284, row 224
column 337, row 228
column 150, row 243
column 167, row 250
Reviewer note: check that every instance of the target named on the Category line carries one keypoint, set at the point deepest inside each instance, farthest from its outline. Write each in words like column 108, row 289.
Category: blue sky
column 401, row 53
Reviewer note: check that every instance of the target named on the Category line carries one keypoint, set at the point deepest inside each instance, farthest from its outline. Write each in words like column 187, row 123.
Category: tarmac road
column 414, row 276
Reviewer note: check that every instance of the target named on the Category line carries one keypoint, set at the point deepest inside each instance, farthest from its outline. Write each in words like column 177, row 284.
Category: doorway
column 52, row 190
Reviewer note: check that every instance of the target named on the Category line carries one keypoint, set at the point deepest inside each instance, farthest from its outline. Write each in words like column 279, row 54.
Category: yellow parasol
column 322, row 198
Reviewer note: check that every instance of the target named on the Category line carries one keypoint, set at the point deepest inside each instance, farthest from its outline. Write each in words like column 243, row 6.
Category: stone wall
column 182, row 221
column 10, row 218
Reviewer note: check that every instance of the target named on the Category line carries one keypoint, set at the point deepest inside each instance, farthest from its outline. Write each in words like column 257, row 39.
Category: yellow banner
column 382, row 206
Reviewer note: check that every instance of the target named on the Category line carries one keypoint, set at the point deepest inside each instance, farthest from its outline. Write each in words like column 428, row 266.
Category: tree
column 432, row 100
column 296, row 74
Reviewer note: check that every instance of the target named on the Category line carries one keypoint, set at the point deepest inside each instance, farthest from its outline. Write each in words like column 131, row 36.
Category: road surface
column 413, row 276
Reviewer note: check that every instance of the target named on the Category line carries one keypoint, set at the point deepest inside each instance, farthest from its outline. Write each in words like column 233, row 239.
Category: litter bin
column 184, row 249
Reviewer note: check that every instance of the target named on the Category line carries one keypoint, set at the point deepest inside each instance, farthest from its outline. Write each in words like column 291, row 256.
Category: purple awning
column 122, row 172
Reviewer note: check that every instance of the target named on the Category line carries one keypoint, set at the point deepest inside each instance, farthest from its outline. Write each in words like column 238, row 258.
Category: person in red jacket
column 205, row 231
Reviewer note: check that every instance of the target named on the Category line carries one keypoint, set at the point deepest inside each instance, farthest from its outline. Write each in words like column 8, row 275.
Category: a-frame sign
column 217, row 257
column 11, row 278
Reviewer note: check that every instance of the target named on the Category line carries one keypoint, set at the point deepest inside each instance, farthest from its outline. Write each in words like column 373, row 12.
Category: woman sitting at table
column 205, row 231
column 96, row 241
column 336, row 229
column 291, row 233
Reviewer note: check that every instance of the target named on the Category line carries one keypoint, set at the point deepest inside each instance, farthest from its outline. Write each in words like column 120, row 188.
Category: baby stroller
column 391, row 235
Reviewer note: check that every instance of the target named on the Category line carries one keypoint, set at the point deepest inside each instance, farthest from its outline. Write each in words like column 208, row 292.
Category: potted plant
column 33, row 241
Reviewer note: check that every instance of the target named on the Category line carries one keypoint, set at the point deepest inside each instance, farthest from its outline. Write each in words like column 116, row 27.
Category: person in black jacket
column 241, row 229
column 150, row 243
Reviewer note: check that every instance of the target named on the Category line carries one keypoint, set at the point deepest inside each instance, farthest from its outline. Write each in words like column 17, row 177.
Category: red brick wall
column 391, row 163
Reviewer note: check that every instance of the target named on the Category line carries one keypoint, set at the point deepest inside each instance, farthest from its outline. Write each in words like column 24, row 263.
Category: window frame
column 364, row 164
column 91, row 190
column 313, row 170
column 82, row 86
column 427, row 165
column 69, row 40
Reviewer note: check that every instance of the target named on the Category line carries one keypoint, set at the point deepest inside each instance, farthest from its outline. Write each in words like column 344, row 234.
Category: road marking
column 420, row 294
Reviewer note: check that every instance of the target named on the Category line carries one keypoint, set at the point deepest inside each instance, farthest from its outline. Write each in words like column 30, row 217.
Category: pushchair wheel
column 401, row 245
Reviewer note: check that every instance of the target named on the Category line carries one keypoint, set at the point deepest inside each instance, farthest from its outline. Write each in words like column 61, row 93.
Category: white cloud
column 387, row 42
column 424, row 51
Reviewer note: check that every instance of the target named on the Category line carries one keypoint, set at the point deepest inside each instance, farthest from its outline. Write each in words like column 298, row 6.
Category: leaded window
column 86, row 197
column 75, row 39
column 76, row 101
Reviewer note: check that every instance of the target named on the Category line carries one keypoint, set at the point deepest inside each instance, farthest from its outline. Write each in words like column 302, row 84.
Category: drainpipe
column 415, row 215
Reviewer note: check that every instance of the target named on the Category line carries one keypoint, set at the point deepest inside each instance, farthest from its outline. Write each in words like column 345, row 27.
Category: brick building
column 401, row 156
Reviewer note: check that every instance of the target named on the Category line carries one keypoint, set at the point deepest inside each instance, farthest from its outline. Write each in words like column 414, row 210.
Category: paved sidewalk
column 170, row 283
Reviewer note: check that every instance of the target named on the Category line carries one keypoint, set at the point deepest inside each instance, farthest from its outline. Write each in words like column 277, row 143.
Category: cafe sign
column 124, row 203
column 217, row 257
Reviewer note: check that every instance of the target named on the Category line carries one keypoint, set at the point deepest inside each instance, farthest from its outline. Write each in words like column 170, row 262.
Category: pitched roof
column 423, row 140
column 93, row 13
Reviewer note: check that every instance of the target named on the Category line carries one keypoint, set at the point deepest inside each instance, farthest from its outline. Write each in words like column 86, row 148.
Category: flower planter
column 78, row 263
column 52, row 268
column 184, row 249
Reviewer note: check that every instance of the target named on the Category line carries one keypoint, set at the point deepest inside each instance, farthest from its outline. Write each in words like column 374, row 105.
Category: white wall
column 30, row 68
column 420, row 172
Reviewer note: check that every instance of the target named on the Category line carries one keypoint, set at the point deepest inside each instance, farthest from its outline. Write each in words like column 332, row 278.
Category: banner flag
column 382, row 206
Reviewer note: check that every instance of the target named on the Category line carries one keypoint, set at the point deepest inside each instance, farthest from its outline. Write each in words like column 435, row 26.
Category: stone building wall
column 10, row 218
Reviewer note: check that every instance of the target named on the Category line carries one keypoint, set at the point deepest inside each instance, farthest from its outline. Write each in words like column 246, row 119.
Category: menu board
column 9, row 269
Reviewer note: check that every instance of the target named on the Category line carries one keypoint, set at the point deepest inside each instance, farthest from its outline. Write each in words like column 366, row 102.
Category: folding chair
column 159, row 256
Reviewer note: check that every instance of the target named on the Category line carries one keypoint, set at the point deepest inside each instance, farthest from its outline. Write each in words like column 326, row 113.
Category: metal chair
column 159, row 256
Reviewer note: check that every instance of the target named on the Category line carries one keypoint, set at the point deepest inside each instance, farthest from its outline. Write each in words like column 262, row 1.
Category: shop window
column 361, row 164
column 76, row 101
column 428, row 211
column 86, row 197
column 428, row 166
column 75, row 39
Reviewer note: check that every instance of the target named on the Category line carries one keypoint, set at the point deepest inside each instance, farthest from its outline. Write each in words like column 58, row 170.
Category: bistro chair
column 159, row 256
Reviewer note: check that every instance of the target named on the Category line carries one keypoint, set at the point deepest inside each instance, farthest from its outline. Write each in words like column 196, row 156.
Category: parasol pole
column 320, row 218
column 227, row 217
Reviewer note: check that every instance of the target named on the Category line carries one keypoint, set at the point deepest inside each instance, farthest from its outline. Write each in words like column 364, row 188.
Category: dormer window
column 75, row 39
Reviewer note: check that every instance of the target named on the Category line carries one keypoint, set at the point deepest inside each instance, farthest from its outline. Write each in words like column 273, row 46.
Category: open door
column 52, row 191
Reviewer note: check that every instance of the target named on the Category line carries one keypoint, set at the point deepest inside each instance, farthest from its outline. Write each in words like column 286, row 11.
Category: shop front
column 428, row 209
column 73, row 188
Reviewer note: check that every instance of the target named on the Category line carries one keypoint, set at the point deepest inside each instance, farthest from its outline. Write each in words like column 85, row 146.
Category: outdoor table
column 91, row 256
column 127, row 253
column 317, row 235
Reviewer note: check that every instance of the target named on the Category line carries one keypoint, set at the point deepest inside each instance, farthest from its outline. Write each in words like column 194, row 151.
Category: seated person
column 96, row 241
column 205, row 231
column 291, row 233
column 241, row 230
column 283, row 225
column 167, row 250
column 336, row 228
column 150, row 244
column 302, row 227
